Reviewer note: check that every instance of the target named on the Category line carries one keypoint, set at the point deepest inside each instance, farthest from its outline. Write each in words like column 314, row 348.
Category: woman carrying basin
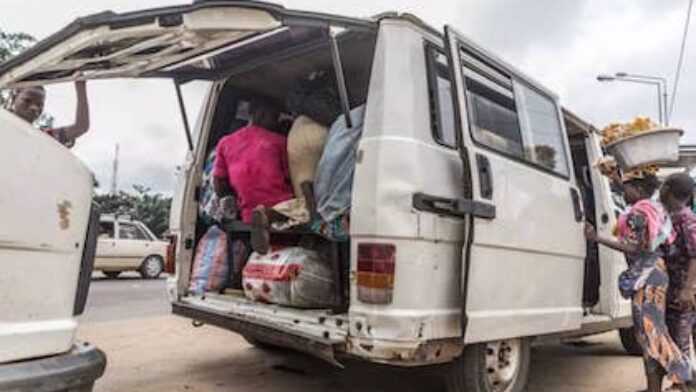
column 644, row 231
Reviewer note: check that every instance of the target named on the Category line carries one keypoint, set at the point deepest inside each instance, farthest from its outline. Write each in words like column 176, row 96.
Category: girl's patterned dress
column 647, row 225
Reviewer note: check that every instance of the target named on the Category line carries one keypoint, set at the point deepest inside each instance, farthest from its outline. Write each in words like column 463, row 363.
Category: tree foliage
column 141, row 204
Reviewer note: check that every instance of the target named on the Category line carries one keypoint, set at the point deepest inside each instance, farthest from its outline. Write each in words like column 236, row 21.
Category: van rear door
column 188, row 42
column 525, row 251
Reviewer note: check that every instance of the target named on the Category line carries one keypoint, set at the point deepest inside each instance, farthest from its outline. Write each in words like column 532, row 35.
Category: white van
column 469, row 184
column 47, row 241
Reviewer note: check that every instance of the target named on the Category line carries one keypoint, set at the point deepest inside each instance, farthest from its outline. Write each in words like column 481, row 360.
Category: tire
column 112, row 274
column 629, row 342
column 151, row 267
column 501, row 366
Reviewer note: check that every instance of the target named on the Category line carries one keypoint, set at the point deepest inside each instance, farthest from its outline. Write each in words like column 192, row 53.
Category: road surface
column 151, row 351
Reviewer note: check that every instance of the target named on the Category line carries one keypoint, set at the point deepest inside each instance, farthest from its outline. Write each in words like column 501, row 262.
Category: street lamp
column 659, row 82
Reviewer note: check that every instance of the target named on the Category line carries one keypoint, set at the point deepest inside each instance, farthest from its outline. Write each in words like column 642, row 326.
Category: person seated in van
column 252, row 164
column 28, row 103
column 643, row 231
column 332, row 187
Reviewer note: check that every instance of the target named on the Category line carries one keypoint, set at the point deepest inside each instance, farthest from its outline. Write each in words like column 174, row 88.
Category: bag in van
column 292, row 276
column 210, row 265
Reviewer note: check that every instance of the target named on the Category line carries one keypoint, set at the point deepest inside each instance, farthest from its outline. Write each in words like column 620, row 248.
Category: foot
column 260, row 237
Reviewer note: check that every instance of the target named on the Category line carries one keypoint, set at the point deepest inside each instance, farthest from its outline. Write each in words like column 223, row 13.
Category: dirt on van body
column 168, row 354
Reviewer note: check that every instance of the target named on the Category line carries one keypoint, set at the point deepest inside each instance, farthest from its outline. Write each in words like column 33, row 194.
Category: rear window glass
column 441, row 103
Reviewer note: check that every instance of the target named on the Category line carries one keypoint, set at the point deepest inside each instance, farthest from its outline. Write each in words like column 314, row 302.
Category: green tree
column 11, row 44
column 142, row 204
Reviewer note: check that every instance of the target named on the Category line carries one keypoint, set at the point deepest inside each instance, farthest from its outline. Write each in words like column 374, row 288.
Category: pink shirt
column 255, row 162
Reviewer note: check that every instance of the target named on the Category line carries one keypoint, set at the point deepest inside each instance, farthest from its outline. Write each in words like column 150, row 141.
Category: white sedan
column 128, row 245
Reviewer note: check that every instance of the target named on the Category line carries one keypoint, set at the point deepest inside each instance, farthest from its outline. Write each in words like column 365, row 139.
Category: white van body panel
column 525, row 266
column 398, row 158
column 42, row 238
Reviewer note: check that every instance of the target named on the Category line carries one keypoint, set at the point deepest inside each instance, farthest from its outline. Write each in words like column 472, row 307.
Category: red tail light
column 170, row 262
column 376, row 265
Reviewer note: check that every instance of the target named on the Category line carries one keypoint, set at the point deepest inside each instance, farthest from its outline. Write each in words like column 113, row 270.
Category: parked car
column 128, row 245
column 470, row 191
column 47, row 239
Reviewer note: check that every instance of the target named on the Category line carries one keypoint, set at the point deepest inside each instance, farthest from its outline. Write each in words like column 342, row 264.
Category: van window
column 542, row 127
column 493, row 116
column 129, row 231
column 440, row 92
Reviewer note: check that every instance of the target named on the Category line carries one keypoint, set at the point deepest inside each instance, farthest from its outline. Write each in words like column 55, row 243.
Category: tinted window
column 493, row 116
column 441, row 104
column 129, row 231
column 542, row 127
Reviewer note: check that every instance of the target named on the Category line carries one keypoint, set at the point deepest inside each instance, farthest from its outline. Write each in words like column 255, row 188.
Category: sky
column 564, row 44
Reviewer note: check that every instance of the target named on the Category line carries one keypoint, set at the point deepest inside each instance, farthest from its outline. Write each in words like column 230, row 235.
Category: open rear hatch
column 198, row 41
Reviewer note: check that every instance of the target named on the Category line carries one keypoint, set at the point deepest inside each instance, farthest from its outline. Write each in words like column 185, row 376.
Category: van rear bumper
column 74, row 371
column 270, row 334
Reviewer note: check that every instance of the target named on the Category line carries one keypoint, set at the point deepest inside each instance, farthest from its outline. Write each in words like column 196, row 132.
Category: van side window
column 493, row 115
column 440, row 94
column 542, row 127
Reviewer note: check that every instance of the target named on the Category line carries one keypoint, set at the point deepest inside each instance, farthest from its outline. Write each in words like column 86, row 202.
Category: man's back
column 254, row 160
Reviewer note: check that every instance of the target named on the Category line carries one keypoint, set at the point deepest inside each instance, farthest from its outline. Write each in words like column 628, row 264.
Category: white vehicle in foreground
column 128, row 245
column 47, row 241
column 470, row 191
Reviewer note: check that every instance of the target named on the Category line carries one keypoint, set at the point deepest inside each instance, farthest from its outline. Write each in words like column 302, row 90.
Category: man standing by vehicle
column 28, row 103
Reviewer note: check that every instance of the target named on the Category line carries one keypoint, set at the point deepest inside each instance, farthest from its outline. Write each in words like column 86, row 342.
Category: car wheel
column 501, row 366
column 112, row 274
column 152, row 267
column 629, row 341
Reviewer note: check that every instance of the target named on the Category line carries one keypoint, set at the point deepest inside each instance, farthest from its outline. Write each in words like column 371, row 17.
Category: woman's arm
column 591, row 235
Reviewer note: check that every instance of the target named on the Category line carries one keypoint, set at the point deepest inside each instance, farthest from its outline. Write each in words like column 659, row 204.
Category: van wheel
column 501, row 366
column 629, row 341
column 112, row 274
column 152, row 267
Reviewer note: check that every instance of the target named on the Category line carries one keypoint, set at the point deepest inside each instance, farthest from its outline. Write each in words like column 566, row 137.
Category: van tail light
column 170, row 262
column 376, row 265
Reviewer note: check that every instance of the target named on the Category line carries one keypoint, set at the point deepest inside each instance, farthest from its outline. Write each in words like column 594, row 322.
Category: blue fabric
column 333, row 184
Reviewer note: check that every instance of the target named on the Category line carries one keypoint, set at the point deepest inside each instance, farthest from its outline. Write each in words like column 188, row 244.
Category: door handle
column 485, row 176
column 579, row 215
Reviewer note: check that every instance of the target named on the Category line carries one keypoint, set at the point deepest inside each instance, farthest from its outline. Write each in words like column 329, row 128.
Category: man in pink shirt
column 252, row 163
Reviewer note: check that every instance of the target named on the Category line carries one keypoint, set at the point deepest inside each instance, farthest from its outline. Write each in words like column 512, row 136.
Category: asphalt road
column 125, row 298
column 150, row 350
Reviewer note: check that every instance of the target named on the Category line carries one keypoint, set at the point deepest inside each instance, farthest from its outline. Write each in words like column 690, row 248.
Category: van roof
column 187, row 42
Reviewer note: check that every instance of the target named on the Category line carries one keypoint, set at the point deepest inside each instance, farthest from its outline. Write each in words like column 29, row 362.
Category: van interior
column 266, row 75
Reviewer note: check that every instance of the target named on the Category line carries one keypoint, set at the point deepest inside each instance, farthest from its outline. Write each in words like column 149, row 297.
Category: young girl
column 642, row 230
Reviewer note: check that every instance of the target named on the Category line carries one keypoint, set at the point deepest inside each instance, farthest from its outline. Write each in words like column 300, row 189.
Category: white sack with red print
column 293, row 276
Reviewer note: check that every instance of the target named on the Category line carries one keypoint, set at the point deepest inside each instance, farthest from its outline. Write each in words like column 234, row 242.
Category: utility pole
column 114, row 174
